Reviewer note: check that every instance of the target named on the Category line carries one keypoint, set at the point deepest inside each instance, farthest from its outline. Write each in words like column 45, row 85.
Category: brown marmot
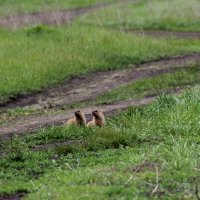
column 98, row 119
column 79, row 118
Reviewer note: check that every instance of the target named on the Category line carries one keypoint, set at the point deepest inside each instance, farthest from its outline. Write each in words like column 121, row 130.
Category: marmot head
column 79, row 113
column 97, row 113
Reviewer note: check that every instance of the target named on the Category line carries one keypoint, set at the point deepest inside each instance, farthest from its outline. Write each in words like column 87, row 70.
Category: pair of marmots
column 79, row 119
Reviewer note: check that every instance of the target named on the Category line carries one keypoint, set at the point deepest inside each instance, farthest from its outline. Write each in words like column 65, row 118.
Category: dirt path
column 160, row 33
column 88, row 87
column 31, row 124
column 48, row 18
column 54, row 17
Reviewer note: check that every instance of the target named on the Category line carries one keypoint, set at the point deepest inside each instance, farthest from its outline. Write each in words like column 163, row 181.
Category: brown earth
column 165, row 33
column 16, row 196
column 145, row 166
column 88, row 87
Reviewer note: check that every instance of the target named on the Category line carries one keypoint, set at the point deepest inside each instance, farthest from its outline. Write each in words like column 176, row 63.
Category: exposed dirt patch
column 56, row 145
column 160, row 33
column 88, row 87
column 146, row 166
column 16, row 196
column 54, row 17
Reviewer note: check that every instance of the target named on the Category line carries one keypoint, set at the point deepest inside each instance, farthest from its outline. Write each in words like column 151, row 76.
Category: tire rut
column 165, row 33
column 88, row 87
column 16, row 196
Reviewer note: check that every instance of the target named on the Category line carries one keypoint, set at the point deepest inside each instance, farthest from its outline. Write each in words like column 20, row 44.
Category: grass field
column 144, row 152
column 14, row 7
column 156, row 14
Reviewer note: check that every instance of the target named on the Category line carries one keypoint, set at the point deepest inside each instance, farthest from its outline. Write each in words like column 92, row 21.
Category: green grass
column 158, row 14
column 112, row 174
column 124, row 159
column 13, row 7
column 115, row 162
column 38, row 57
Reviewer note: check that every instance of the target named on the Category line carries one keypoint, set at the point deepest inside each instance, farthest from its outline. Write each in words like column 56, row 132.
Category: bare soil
column 88, row 87
column 16, row 196
column 146, row 166
column 165, row 33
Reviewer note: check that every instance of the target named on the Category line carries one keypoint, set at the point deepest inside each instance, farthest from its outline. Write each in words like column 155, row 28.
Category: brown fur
column 98, row 119
column 79, row 119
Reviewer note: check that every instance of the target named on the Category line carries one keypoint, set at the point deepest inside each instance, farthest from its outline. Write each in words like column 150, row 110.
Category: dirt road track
column 88, row 87
column 16, row 196
column 48, row 18
column 31, row 124
column 165, row 33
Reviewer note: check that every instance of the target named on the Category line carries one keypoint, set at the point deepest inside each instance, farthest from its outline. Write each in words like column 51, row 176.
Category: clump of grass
column 70, row 149
column 38, row 30
column 109, row 138
column 17, row 150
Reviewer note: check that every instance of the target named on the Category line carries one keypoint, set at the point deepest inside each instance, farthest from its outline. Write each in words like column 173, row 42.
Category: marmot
column 79, row 118
column 98, row 119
